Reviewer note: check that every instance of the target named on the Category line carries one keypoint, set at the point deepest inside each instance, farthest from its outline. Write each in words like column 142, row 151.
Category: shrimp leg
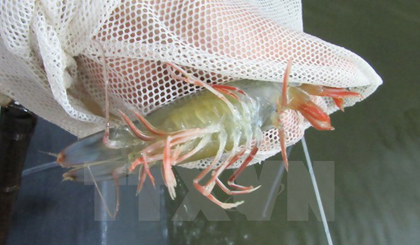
column 135, row 130
column 251, row 155
column 105, row 138
column 112, row 144
column 233, row 157
column 195, row 81
column 176, row 139
column 115, row 174
column 222, row 145
column 143, row 172
column 281, row 108
column 206, row 190
column 150, row 127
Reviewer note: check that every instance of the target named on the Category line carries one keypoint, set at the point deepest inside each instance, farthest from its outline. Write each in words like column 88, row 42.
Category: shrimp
column 222, row 118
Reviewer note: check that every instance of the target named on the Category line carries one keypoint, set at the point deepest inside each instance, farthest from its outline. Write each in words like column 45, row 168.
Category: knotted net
column 53, row 53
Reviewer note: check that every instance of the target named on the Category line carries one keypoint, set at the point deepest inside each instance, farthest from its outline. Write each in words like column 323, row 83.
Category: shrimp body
column 206, row 110
column 223, row 118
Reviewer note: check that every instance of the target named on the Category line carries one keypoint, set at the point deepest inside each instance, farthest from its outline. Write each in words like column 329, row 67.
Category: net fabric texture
column 53, row 54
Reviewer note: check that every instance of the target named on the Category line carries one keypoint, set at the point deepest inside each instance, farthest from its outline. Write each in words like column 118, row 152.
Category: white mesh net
column 51, row 60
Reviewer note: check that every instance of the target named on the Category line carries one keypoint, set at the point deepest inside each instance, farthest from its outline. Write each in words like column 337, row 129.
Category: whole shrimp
column 222, row 118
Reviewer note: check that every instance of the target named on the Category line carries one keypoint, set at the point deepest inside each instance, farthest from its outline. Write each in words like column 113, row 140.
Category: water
column 374, row 149
column 376, row 144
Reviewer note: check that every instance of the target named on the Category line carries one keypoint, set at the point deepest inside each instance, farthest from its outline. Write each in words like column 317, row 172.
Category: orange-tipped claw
column 315, row 115
column 301, row 102
column 339, row 103
column 337, row 94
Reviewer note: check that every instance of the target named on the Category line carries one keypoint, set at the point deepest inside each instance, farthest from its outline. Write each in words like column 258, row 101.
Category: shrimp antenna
column 106, row 85
column 50, row 153
column 117, row 192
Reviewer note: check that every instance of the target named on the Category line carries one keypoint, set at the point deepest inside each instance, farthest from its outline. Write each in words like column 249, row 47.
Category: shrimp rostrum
column 223, row 122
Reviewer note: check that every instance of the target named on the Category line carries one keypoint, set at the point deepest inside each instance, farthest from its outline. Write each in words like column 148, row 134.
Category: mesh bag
column 53, row 55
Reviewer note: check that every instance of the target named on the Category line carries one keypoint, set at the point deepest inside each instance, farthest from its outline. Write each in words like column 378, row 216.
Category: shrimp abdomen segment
column 194, row 112
column 207, row 110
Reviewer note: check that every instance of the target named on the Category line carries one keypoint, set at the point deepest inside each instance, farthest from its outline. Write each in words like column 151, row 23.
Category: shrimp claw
column 337, row 94
column 299, row 101
column 298, row 98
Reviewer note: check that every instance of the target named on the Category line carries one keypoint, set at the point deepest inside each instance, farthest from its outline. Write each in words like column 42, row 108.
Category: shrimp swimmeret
column 223, row 118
